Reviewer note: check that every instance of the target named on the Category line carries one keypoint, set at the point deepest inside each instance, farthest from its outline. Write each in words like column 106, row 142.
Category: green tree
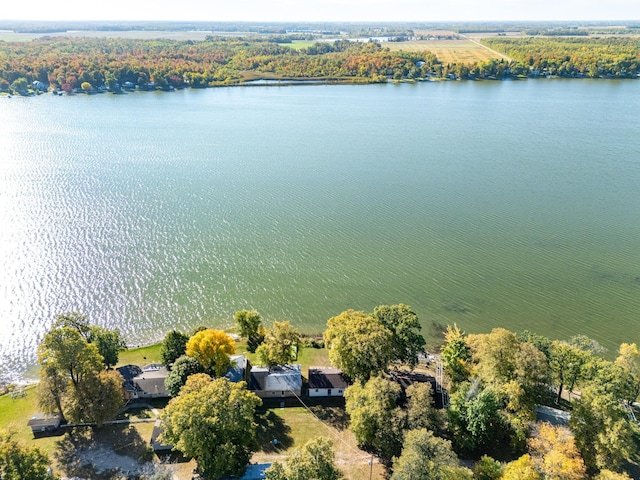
column 376, row 421
column 456, row 355
column 67, row 351
column 20, row 86
column 566, row 364
column 212, row 348
column 280, row 345
column 18, row 462
column 421, row 410
column 182, row 369
column 249, row 322
column 427, row 457
column 213, row 422
column 109, row 342
column 358, row 344
column 402, row 322
column 75, row 320
column 487, row 469
column 476, row 420
column 602, row 430
column 173, row 347
column 315, row 460
column 98, row 399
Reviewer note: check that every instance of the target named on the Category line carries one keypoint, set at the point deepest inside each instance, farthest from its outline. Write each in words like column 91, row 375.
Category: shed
column 41, row 423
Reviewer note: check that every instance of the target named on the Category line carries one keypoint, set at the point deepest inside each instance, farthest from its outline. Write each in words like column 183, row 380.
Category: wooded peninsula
column 90, row 62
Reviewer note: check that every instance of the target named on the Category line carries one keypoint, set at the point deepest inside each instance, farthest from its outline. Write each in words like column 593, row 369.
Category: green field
column 298, row 44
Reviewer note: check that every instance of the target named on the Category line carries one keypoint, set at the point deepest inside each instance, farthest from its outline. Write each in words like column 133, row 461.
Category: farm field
column 447, row 51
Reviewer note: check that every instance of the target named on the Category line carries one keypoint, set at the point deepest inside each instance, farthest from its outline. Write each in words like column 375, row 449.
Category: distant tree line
column 571, row 57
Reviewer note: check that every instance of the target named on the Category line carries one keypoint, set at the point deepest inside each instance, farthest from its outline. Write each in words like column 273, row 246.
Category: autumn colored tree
column 602, row 430
column 456, row 355
column 521, row 469
column 555, row 454
column 629, row 359
column 212, row 349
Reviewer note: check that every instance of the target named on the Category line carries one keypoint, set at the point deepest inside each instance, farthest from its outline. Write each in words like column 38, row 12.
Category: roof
column 152, row 381
column 235, row 373
column 282, row 378
column 40, row 420
column 326, row 377
column 129, row 372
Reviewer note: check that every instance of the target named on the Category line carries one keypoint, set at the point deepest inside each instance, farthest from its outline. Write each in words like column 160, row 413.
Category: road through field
column 502, row 55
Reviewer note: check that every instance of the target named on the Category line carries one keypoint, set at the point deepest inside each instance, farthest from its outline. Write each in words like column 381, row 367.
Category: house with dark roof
column 326, row 382
column 276, row 382
column 145, row 382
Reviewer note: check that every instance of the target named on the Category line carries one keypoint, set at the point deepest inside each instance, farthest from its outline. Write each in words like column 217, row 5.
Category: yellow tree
column 555, row 454
column 521, row 469
column 212, row 349
column 629, row 359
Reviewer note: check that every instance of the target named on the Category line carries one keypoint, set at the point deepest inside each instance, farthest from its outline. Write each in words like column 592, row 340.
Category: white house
column 326, row 382
column 276, row 382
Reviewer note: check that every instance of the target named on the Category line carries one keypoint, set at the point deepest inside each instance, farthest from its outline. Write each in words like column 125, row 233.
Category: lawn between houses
column 292, row 426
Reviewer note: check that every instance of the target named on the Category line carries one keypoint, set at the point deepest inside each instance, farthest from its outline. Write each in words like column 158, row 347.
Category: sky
column 327, row 10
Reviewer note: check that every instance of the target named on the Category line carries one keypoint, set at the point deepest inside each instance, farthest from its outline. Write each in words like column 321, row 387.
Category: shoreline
column 288, row 82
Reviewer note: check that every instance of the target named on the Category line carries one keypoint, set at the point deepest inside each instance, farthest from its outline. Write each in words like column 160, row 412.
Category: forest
column 92, row 64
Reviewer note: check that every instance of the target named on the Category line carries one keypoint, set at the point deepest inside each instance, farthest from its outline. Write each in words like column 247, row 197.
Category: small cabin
column 41, row 423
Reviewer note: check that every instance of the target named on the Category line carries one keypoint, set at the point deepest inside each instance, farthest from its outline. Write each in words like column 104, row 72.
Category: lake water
column 512, row 204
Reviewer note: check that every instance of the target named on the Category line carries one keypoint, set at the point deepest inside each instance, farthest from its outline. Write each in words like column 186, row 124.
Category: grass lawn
column 140, row 356
column 294, row 426
column 298, row 44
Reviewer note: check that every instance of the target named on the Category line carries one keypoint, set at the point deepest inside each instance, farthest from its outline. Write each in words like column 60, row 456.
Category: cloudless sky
column 324, row 10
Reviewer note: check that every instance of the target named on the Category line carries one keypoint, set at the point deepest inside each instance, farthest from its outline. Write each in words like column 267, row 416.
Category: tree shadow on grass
column 334, row 416
column 102, row 454
column 270, row 427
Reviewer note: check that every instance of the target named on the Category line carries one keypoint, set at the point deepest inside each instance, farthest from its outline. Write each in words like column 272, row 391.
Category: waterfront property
column 145, row 382
column 276, row 382
column 326, row 382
